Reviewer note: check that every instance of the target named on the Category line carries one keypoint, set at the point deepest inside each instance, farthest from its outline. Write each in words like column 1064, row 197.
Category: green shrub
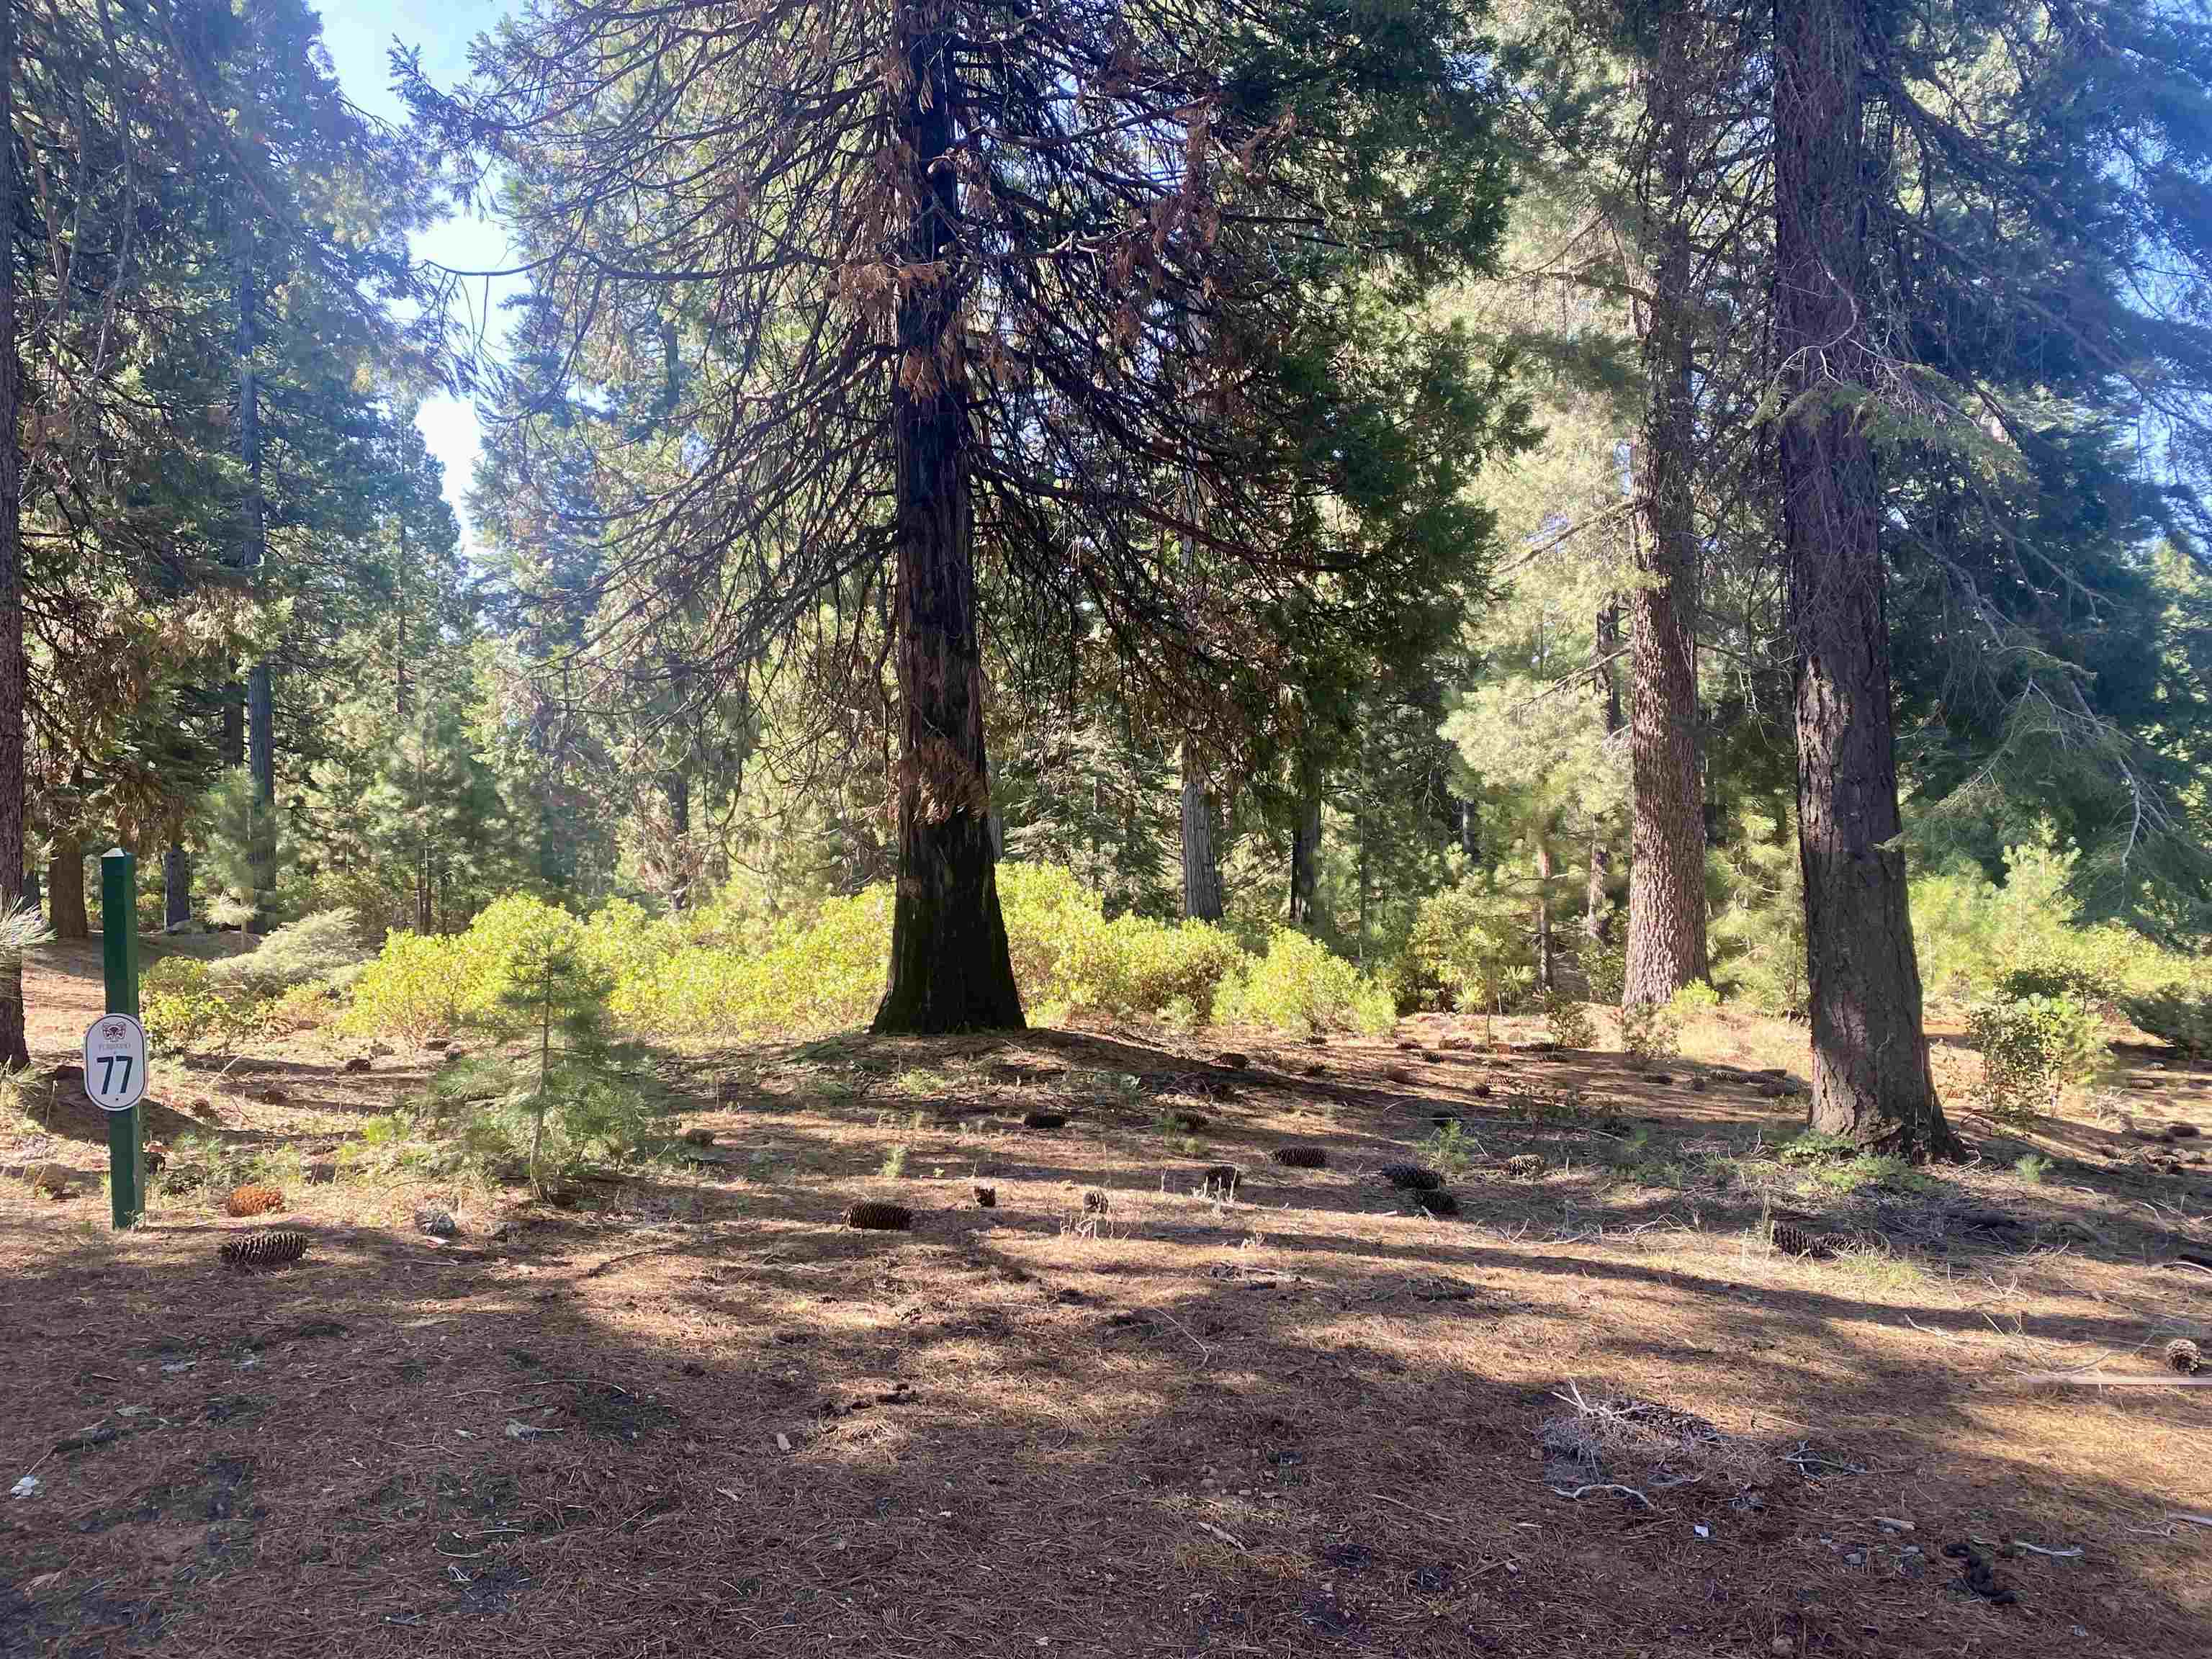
column 2032, row 1047
column 2033, row 1168
column 1651, row 1031
column 1473, row 940
column 2058, row 978
column 183, row 1009
column 1298, row 986
column 1605, row 968
column 1569, row 1021
column 1451, row 1151
column 303, row 952
column 2175, row 1015
column 414, row 989
column 1816, row 1146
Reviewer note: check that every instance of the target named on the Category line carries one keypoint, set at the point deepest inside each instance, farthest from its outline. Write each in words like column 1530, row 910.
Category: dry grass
column 696, row 1412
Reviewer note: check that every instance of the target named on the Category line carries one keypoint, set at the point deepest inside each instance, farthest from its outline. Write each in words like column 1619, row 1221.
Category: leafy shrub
column 1569, row 1021
column 414, row 989
column 1816, row 1146
column 1605, row 968
column 2032, row 1047
column 2058, row 978
column 302, row 952
column 1473, row 940
column 1298, row 986
column 2033, row 1168
column 1651, row 1031
column 183, row 1008
column 2175, row 1015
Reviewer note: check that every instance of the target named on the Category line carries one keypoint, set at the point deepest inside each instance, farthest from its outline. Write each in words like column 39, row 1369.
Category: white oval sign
column 115, row 1062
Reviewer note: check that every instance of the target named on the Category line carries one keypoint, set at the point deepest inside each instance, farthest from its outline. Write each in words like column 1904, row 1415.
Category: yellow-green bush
column 1971, row 933
column 183, row 1009
column 692, row 978
column 1298, row 986
column 2032, row 1047
column 414, row 989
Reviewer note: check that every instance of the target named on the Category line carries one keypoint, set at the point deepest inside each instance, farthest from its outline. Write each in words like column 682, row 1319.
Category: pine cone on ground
column 252, row 1198
column 1095, row 1202
column 1437, row 1203
column 1045, row 1120
column 1302, row 1157
column 270, row 1250
column 873, row 1216
column 1791, row 1239
column 436, row 1221
column 1411, row 1177
column 2183, row 1356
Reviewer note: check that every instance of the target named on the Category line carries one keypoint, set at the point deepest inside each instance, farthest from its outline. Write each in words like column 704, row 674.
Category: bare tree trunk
column 65, row 908
column 1306, row 850
column 14, row 669
column 1543, row 913
column 1201, row 866
column 1870, row 1074
column 951, row 970
column 1667, row 871
column 176, row 890
column 260, row 687
column 1597, row 909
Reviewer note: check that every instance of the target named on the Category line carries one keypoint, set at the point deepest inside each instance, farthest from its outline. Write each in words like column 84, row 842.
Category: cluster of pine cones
column 1791, row 1239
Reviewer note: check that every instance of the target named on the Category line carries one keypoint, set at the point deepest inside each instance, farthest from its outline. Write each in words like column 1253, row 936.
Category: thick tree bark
column 1201, row 864
column 1597, row 909
column 1305, row 851
column 951, row 970
column 14, row 675
column 65, row 908
column 1871, row 1079
column 176, row 890
column 1667, row 871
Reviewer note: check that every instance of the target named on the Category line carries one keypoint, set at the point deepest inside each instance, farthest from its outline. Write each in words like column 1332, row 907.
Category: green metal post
column 118, row 930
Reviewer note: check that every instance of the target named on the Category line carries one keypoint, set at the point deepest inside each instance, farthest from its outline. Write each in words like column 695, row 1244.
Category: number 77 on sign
column 115, row 1062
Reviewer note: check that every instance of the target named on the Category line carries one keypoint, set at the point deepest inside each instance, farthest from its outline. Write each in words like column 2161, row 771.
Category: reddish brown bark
column 1666, row 871
column 951, row 970
column 1871, row 1081
column 14, row 1051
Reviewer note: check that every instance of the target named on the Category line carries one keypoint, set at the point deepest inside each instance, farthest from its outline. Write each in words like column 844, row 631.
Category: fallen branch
column 2094, row 1380
column 1606, row 1485
column 2038, row 1549
column 1208, row 1526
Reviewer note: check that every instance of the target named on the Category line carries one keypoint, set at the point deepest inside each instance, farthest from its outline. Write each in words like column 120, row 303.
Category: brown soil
column 693, row 1413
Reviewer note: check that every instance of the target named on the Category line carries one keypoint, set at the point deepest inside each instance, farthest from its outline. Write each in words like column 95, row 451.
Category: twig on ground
column 2038, row 1549
column 1606, row 1485
column 1385, row 1498
column 1208, row 1526
column 2094, row 1380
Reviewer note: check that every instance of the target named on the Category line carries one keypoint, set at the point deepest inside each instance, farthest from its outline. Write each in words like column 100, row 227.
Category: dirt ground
column 693, row 1413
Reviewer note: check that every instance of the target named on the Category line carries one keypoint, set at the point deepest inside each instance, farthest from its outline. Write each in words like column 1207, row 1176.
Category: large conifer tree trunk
column 14, row 1051
column 1666, row 869
column 951, row 970
column 65, row 908
column 1870, row 1074
column 176, row 890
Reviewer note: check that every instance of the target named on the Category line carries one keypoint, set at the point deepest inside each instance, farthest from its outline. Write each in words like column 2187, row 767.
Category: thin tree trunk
column 1306, row 850
column 1871, row 1079
column 1543, row 913
column 14, row 669
column 1666, row 869
column 176, row 890
column 1201, row 866
column 260, row 712
column 677, row 788
column 65, row 908
column 1597, row 908
column 951, row 970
